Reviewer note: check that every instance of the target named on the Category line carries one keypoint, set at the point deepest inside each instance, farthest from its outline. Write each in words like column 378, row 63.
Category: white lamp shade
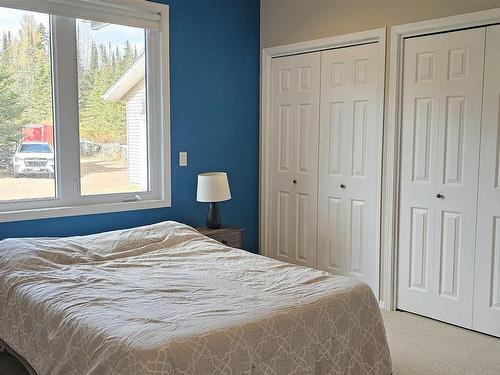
column 213, row 187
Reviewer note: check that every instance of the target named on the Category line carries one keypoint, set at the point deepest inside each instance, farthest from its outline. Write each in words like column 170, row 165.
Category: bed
column 164, row 299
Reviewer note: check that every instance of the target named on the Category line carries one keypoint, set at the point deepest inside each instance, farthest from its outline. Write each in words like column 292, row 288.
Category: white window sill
column 52, row 212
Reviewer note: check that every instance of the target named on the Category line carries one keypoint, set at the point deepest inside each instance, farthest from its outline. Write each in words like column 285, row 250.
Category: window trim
column 137, row 13
column 68, row 201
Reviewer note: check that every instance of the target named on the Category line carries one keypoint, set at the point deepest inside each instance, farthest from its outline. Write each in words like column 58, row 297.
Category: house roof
column 127, row 81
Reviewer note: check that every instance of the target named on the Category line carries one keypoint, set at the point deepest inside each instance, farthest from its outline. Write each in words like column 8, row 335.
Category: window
column 36, row 148
column 84, row 116
column 26, row 112
column 112, row 108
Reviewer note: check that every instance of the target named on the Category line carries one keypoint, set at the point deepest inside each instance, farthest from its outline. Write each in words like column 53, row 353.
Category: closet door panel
column 442, row 88
column 294, row 158
column 335, row 117
column 332, row 240
column 349, row 163
column 419, row 134
column 457, row 173
column 487, row 271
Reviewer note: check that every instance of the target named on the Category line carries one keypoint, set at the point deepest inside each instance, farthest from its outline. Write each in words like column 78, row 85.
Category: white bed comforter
column 163, row 299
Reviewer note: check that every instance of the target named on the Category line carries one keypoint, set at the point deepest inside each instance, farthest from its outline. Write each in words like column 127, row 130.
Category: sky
column 117, row 34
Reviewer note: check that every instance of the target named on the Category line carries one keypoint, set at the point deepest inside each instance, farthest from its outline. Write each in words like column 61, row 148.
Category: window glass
column 27, row 165
column 39, row 148
column 81, row 108
column 112, row 108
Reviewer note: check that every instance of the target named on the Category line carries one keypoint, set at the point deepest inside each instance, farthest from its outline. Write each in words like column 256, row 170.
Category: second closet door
column 349, row 149
column 487, row 265
column 441, row 117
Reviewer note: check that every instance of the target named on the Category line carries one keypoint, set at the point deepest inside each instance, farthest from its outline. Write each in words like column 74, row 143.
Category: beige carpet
column 427, row 347
column 418, row 346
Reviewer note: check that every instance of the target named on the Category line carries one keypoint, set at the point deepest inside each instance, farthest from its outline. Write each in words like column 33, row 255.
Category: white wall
column 137, row 136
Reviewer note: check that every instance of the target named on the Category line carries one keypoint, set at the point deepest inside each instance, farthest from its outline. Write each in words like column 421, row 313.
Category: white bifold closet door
column 349, row 163
column 294, row 158
column 487, row 265
column 325, row 161
column 441, row 117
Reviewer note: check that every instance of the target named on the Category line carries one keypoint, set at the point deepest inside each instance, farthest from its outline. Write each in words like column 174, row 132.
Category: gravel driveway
column 98, row 177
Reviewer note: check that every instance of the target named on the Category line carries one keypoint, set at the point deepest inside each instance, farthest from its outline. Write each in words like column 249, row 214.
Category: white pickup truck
column 34, row 158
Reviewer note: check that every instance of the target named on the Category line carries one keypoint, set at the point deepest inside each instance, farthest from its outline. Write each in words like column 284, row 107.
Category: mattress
column 164, row 299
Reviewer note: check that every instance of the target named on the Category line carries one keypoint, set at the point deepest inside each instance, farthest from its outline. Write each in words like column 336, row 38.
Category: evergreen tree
column 128, row 57
column 31, row 72
column 41, row 97
column 5, row 42
column 102, row 121
column 10, row 119
column 26, row 87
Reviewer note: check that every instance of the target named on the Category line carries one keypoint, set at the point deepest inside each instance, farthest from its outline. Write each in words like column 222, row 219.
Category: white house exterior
column 130, row 87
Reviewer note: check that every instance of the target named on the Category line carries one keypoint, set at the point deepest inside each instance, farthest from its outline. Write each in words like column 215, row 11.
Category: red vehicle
column 38, row 133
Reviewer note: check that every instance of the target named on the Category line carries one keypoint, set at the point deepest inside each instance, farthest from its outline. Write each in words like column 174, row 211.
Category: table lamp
column 213, row 187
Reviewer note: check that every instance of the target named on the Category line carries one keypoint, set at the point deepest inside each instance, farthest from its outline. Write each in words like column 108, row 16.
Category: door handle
column 439, row 196
column 342, row 186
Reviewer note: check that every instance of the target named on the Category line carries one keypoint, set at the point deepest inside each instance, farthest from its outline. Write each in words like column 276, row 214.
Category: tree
column 26, row 66
column 10, row 119
column 27, row 61
column 101, row 121
column 41, row 97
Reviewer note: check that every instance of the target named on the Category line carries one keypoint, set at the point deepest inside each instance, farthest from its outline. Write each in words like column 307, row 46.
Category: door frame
column 370, row 36
column 392, row 134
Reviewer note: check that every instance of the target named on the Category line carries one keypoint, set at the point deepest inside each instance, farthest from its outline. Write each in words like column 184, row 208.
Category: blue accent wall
column 214, row 96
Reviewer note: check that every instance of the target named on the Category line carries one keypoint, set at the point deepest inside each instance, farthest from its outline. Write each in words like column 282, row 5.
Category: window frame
column 68, row 201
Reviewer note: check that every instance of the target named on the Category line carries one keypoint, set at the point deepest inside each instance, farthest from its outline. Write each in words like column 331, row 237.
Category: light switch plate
column 183, row 159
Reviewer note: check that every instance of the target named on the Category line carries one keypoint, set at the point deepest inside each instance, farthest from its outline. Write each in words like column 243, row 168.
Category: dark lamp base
column 213, row 216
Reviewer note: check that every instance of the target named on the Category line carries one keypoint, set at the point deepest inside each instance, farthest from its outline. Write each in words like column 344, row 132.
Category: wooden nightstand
column 229, row 236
